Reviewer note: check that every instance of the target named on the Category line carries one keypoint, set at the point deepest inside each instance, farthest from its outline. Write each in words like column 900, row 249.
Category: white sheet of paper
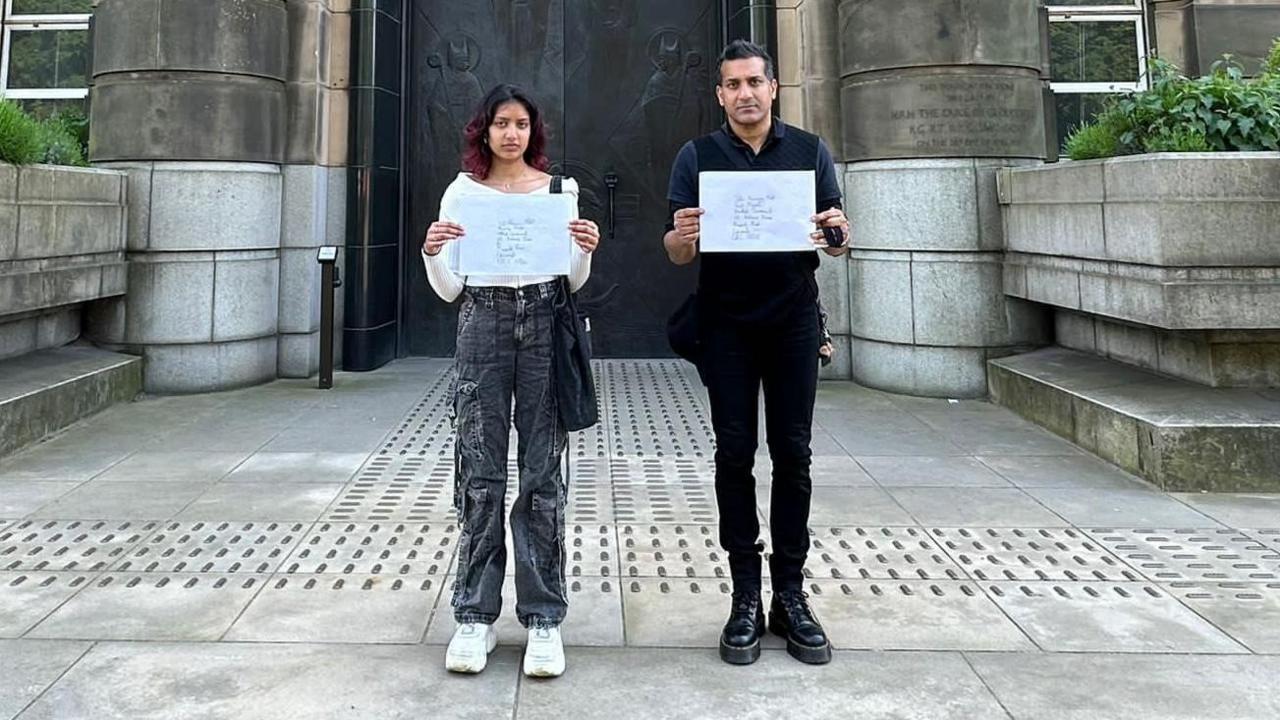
column 515, row 235
column 765, row 211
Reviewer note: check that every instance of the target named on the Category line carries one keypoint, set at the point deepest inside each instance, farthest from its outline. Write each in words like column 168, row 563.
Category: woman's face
column 509, row 132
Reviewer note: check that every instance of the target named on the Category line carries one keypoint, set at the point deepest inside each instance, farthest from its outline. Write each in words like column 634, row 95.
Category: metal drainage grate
column 214, row 547
column 1207, row 555
column 877, row 554
column 375, row 549
column 675, row 551
column 69, row 545
column 1032, row 554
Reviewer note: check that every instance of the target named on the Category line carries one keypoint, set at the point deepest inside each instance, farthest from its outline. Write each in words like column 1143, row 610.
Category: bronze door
column 623, row 83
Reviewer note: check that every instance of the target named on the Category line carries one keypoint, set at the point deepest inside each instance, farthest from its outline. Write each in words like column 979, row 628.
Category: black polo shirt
column 754, row 287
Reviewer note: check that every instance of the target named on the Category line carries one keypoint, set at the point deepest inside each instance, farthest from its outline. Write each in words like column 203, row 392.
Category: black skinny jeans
column 782, row 358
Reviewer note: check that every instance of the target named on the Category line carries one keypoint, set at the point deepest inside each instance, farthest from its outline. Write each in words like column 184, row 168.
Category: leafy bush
column 59, row 144
column 77, row 123
column 20, row 136
column 1222, row 111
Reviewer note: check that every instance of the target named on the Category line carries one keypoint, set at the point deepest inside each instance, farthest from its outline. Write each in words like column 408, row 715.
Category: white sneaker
column 470, row 647
column 544, row 655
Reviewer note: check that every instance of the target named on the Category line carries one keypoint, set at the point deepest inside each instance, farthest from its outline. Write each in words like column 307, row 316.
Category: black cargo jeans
column 504, row 351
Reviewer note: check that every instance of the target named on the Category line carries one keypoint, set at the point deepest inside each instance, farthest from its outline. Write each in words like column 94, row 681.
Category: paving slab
column 1032, row 554
column 1099, row 507
column 1168, row 555
column 885, row 433
column 282, row 467
column 339, row 609
column 151, row 606
column 1248, row 612
column 877, row 553
column 1267, row 536
column 176, row 466
column 594, row 617
column 695, row 684
column 214, row 547
column 650, row 605
column 1133, row 687
column 1237, row 510
column 931, row 472
column 126, row 499
column 665, row 504
column 238, row 681
column 65, row 464
column 1008, row 507
column 27, row 597
column 836, row 471
column 671, row 550
column 27, row 667
column 250, row 501
column 393, row 548
column 848, row 506
column 912, row 615
column 1107, row 617
column 20, row 497
column 1061, row 471
column 69, row 545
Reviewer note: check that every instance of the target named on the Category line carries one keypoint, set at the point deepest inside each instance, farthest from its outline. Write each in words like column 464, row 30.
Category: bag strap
column 557, row 184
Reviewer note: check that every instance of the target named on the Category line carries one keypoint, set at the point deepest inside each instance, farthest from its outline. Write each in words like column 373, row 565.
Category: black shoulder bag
column 571, row 356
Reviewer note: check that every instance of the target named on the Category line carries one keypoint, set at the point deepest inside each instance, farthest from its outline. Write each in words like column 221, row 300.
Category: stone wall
column 1165, row 261
column 62, row 235
column 228, row 118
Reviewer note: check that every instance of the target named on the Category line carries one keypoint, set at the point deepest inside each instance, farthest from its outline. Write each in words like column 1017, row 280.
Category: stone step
column 45, row 391
column 1178, row 434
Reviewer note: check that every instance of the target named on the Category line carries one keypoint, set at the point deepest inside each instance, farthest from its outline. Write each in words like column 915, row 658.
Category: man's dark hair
column 743, row 50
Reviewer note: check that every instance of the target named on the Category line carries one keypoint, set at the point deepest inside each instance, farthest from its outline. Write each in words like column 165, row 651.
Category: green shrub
column 1098, row 139
column 77, row 123
column 1272, row 63
column 20, row 136
column 59, row 145
column 1222, row 111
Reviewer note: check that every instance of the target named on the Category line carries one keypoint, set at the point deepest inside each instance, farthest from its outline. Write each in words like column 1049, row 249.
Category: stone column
column 314, row 178
column 188, row 98
column 809, row 97
column 936, row 95
column 1192, row 34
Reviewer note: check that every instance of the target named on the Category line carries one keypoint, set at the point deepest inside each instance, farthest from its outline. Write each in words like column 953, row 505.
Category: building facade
column 253, row 132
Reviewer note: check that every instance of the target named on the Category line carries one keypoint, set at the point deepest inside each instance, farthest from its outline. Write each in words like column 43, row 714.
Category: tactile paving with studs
column 655, row 410
column 337, row 548
column 1210, row 555
column 69, row 545
column 1032, row 554
column 881, row 553
column 214, row 547
column 674, row 551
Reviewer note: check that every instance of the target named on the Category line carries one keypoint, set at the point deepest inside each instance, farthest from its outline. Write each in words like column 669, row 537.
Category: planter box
column 62, row 244
column 1174, row 250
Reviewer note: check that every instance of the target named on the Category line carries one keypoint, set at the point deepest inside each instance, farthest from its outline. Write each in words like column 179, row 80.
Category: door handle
column 611, row 182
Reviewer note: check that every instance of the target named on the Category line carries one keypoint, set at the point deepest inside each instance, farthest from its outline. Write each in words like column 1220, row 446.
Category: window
column 1096, row 49
column 44, row 64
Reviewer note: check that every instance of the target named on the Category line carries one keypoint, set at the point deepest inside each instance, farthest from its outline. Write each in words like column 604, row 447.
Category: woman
column 504, row 352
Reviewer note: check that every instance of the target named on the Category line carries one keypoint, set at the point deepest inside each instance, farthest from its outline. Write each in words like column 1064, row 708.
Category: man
column 759, row 324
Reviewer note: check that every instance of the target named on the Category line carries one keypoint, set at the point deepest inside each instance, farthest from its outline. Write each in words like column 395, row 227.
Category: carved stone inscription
column 945, row 116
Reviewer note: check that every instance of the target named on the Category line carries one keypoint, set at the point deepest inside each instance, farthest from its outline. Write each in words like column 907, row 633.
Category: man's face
column 745, row 92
